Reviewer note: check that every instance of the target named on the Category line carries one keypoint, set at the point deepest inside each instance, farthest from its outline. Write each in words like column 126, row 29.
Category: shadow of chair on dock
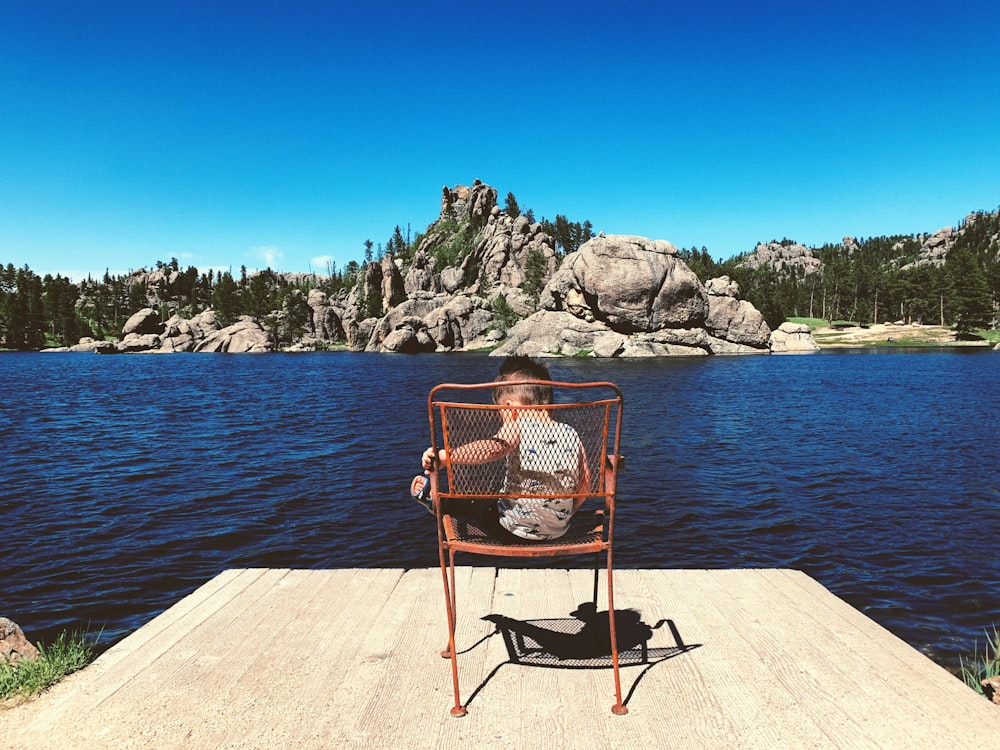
column 582, row 641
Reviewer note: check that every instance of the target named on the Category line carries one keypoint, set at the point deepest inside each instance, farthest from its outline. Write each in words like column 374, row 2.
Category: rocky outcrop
column 427, row 323
column 792, row 337
column 632, row 284
column 500, row 258
column 13, row 645
column 326, row 323
column 785, row 255
column 421, row 277
column 472, row 203
column 473, row 273
column 393, row 290
column 628, row 296
column 245, row 335
column 492, row 248
column 934, row 250
column 185, row 335
column 143, row 322
column 86, row 344
column 735, row 326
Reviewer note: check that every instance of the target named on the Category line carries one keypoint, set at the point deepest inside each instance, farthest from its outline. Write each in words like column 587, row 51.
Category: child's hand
column 427, row 459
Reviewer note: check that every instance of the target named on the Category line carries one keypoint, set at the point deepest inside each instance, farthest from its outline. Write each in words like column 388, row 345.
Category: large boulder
column 736, row 326
column 550, row 333
column 326, row 324
column 143, row 322
column 184, row 335
column 793, row 337
column 410, row 336
column 139, row 342
column 86, row 344
column 626, row 296
column 630, row 283
column 13, row 645
column 245, row 335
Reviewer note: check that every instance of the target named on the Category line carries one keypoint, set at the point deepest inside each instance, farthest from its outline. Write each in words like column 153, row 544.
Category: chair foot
column 619, row 709
column 458, row 712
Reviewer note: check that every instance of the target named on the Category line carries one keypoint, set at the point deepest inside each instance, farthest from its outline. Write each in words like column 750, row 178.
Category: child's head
column 523, row 368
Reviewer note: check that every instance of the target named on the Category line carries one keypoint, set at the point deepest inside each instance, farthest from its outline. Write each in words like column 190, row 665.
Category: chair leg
column 619, row 708
column 449, row 600
column 597, row 576
column 448, row 576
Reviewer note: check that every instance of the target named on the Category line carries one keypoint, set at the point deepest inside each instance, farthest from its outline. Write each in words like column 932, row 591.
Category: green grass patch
column 27, row 678
column 983, row 665
column 813, row 323
column 991, row 335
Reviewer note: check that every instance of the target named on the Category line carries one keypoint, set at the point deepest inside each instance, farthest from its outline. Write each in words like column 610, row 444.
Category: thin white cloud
column 320, row 263
column 271, row 255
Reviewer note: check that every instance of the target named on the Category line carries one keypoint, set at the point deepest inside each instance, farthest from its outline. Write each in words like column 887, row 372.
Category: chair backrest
column 465, row 417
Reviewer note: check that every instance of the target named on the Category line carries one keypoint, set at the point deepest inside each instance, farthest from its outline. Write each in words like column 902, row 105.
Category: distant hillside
column 950, row 277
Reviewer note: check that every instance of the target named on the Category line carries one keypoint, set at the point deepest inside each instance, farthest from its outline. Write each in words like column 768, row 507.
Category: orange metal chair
column 464, row 416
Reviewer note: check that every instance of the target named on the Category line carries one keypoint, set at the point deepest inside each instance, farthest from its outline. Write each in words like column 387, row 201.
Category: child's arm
column 478, row 451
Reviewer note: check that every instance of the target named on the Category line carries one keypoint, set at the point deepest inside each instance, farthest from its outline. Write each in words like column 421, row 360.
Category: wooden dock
column 350, row 658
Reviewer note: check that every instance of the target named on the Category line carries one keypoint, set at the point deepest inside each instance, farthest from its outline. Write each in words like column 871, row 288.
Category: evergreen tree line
column 36, row 312
column 875, row 282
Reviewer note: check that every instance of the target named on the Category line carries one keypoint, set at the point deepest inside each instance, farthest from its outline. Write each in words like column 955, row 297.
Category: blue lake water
column 129, row 481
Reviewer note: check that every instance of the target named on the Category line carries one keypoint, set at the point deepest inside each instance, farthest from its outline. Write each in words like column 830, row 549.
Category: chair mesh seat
column 586, row 529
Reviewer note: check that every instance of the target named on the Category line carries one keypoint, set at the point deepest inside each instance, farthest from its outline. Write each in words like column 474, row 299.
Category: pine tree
column 970, row 303
column 511, row 207
column 225, row 300
column 535, row 274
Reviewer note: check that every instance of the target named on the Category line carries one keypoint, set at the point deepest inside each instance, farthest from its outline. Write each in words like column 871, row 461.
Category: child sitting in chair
column 544, row 457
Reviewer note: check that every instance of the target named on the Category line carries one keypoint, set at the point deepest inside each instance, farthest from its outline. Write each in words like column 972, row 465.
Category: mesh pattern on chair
column 556, row 440
column 473, row 427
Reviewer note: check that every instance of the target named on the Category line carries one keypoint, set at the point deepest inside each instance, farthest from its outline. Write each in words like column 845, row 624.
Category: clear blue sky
column 284, row 134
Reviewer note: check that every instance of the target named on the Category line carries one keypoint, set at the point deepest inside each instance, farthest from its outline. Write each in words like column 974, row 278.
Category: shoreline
column 890, row 334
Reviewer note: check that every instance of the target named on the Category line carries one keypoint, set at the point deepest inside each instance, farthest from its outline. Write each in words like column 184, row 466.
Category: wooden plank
column 708, row 695
column 765, row 633
column 413, row 687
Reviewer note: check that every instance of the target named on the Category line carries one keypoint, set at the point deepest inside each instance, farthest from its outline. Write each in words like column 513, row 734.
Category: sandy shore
column 890, row 334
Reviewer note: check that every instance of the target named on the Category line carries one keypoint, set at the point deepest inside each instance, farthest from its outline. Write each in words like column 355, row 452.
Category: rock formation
column 245, row 335
column 617, row 296
column 793, row 337
column 13, row 645
column 627, row 296
column 934, row 250
column 786, row 255
column 326, row 323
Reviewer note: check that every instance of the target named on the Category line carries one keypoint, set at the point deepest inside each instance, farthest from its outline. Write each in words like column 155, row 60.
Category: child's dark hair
column 523, row 368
